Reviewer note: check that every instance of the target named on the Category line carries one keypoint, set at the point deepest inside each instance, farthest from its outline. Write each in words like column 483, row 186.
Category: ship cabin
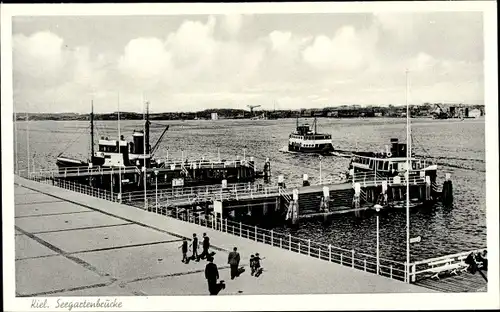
column 391, row 162
column 120, row 153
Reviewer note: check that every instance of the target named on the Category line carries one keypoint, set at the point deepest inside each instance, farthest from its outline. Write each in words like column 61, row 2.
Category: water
column 443, row 230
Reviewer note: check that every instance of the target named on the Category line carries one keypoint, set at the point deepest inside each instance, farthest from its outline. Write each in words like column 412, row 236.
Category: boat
column 129, row 165
column 392, row 162
column 306, row 139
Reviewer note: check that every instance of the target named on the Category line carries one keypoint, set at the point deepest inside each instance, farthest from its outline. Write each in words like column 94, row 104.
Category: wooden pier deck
column 464, row 282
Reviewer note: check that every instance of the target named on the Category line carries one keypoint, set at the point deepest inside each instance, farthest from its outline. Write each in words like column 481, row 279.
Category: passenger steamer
column 392, row 162
column 307, row 140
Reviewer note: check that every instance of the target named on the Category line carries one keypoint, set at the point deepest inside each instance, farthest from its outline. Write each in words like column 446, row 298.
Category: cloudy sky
column 187, row 63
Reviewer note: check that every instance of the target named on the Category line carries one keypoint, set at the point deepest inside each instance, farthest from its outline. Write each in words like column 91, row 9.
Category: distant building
column 475, row 113
column 215, row 116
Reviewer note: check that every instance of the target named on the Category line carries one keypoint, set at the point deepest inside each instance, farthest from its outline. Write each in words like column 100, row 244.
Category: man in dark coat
column 234, row 260
column 212, row 275
column 206, row 245
column 194, row 243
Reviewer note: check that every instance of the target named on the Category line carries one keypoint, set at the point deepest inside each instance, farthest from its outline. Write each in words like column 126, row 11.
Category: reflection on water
column 459, row 143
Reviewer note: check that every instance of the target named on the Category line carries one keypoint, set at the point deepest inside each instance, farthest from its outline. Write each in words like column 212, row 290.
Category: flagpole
column 144, row 146
column 16, row 170
column 120, row 152
column 28, row 140
column 408, row 166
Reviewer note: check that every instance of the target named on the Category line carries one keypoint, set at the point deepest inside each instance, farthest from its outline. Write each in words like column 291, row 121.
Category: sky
column 278, row 61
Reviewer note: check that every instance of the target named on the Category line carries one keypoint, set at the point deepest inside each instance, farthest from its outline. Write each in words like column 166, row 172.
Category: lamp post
column 320, row 173
column 156, row 188
column 377, row 209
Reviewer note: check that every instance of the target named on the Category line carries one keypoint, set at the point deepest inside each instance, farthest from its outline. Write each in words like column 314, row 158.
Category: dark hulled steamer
column 118, row 161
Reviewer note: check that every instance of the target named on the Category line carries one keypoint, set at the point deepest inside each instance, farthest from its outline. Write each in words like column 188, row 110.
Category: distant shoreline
column 417, row 111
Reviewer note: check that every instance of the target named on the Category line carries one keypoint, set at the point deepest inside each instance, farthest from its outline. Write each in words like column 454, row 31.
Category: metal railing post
column 289, row 241
column 341, row 258
column 272, row 241
column 390, row 271
column 299, row 247
column 256, row 233
column 240, row 229
column 329, row 253
column 308, row 247
column 364, row 264
column 281, row 243
column 352, row 258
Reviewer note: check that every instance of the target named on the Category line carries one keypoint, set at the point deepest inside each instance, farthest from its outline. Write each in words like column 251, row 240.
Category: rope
column 71, row 143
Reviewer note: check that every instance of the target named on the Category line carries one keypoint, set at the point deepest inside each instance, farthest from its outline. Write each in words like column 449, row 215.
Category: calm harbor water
column 460, row 144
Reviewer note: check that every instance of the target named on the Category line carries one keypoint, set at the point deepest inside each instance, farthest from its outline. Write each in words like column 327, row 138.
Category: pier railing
column 327, row 252
column 434, row 267
column 368, row 179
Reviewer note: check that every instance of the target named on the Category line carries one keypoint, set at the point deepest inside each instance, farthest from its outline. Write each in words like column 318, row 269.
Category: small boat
column 306, row 139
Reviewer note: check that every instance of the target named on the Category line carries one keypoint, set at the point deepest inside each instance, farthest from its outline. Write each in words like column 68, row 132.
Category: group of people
column 211, row 270
column 194, row 246
column 477, row 261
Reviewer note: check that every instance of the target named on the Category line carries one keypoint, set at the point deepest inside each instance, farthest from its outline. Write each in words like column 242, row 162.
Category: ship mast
column 408, row 164
column 91, row 130
column 119, row 150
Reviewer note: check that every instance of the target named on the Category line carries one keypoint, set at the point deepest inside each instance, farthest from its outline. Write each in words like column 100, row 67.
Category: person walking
column 194, row 245
column 234, row 260
column 257, row 270
column 205, row 245
column 184, row 247
column 212, row 275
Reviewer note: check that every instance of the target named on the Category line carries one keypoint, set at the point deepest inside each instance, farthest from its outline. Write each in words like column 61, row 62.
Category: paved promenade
column 70, row 244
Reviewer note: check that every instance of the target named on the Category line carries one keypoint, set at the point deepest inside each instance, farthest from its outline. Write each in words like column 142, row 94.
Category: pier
column 98, row 247
column 262, row 201
column 38, row 201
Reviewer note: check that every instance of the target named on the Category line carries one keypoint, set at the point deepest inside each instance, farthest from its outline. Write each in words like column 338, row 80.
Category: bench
column 452, row 268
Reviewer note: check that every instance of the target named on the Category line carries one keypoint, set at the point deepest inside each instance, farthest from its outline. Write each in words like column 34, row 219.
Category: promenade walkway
column 71, row 244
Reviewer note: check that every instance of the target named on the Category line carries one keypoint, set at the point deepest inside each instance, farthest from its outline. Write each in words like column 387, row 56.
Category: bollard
column 305, row 181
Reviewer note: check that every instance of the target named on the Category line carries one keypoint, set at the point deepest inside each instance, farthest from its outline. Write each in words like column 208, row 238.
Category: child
column 256, row 264
column 184, row 247
column 252, row 267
